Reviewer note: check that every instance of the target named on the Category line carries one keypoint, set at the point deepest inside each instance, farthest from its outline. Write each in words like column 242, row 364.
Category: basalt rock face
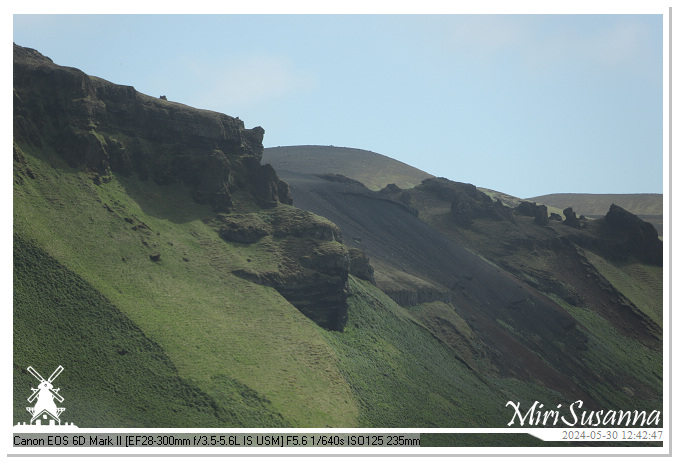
column 311, row 264
column 571, row 218
column 466, row 201
column 102, row 127
column 538, row 212
column 626, row 234
column 360, row 265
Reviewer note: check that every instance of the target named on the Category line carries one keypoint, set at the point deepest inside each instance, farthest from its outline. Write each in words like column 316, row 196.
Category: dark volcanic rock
column 99, row 126
column 571, row 218
column 313, row 265
column 620, row 235
column 539, row 212
column 466, row 201
column 626, row 233
column 391, row 188
column 526, row 208
column 555, row 217
column 359, row 265
column 541, row 218
column 442, row 270
column 340, row 178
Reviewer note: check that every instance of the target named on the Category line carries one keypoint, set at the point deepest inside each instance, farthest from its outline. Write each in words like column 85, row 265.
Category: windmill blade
column 34, row 394
column 35, row 373
column 55, row 374
column 56, row 395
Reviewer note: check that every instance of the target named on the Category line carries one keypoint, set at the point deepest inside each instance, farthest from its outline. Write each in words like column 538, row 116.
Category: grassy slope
column 212, row 326
column 637, row 369
column 640, row 283
column 403, row 375
column 219, row 350
column 114, row 376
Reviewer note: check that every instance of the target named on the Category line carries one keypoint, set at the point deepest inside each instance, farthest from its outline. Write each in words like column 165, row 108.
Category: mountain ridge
column 235, row 288
column 351, row 162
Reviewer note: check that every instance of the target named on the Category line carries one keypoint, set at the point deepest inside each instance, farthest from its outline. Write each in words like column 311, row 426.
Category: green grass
column 114, row 375
column 211, row 324
column 642, row 284
column 201, row 347
column 405, row 377
column 629, row 373
column 233, row 345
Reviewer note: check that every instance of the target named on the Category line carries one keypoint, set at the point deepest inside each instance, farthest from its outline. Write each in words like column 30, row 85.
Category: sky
column 524, row 104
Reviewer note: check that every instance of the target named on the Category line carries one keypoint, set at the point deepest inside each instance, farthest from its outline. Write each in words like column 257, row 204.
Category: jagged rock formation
column 538, row 212
column 312, row 266
column 541, row 217
column 105, row 129
column 571, row 218
column 466, row 201
column 102, row 127
column 391, row 188
column 621, row 233
column 360, row 266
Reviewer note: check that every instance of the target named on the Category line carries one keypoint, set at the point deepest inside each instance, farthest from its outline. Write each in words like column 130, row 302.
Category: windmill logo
column 45, row 411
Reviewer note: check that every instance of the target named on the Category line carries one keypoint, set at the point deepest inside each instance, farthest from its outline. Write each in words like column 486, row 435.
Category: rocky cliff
column 311, row 263
column 107, row 130
column 103, row 127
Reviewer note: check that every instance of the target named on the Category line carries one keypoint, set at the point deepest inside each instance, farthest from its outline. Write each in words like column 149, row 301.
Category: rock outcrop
column 106, row 129
column 625, row 233
column 102, row 127
column 571, row 218
column 466, row 201
column 359, row 265
column 538, row 212
column 312, row 264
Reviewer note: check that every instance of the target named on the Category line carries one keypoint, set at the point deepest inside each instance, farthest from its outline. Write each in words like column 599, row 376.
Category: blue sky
column 524, row 104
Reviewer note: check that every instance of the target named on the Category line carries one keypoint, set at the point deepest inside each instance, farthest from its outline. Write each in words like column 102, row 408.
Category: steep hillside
column 162, row 264
column 129, row 194
column 375, row 171
column 511, row 292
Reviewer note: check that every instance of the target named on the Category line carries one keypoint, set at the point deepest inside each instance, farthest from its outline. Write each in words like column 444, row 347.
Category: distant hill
column 648, row 206
column 641, row 204
column 375, row 171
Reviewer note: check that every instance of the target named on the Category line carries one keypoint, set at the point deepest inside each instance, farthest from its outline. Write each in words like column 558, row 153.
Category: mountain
column 528, row 300
column 181, row 282
column 375, row 171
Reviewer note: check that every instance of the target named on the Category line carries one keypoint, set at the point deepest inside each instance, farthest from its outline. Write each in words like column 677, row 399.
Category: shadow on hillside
column 170, row 202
